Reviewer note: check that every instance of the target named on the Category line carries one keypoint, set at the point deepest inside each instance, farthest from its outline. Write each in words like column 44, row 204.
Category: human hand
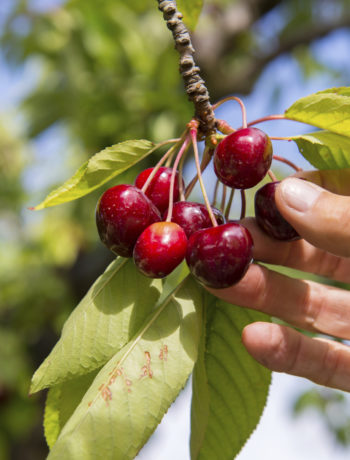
column 322, row 218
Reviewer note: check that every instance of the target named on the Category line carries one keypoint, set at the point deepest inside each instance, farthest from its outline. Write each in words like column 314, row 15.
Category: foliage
column 326, row 403
column 191, row 11
column 229, row 388
column 105, row 73
column 99, row 169
column 177, row 324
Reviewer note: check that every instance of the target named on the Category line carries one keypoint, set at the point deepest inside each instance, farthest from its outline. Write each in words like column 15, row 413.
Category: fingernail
column 299, row 194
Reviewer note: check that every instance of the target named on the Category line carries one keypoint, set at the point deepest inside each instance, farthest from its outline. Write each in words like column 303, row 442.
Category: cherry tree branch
column 194, row 84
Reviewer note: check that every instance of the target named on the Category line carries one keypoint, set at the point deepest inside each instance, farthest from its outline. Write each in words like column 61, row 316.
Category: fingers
column 282, row 349
column 297, row 254
column 335, row 180
column 305, row 304
column 320, row 217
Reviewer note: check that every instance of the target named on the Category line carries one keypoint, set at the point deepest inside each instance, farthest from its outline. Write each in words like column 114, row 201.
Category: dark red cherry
column 158, row 189
column 193, row 216
column 160, row 248
column 243, row 158
column 122, row 213
column 269, row 218
column 218, row 257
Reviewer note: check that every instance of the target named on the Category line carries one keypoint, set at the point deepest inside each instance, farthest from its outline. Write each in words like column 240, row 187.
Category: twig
column 194, row 84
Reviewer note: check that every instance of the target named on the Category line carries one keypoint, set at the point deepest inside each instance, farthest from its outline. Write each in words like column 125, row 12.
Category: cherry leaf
column 99, row 169
column 329, row 109
column 230, row 388
column 191, row 11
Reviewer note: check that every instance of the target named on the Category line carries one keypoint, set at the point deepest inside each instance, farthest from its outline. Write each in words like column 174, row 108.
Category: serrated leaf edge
column 34, row 388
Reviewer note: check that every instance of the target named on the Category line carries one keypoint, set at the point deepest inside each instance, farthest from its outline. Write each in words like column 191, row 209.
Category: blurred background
column 79, row 75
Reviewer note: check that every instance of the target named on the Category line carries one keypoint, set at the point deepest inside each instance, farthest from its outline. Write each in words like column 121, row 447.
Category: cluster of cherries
column 139, row 221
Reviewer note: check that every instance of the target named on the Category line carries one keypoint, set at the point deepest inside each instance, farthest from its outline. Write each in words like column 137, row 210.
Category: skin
column 322, row 218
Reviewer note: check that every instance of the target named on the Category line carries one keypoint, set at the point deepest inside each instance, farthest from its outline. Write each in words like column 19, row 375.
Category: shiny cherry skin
column 158, row 189
column 268, row 216
column 160, row 248
column 193, row 216
column 243, row 158
column 122, row 213
column 218, row 257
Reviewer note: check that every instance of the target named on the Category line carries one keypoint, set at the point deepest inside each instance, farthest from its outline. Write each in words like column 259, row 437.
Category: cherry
column 243, row 158
column 158, row 189
column 122, row 213
column 193, row 216
column 160, row 248
column 218, row 257
column 269, row 218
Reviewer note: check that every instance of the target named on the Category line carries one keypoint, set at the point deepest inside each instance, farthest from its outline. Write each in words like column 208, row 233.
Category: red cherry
column 193, row 216
column 243, row 158
column 122, row 213
column 158, row 189
column 268, row 216
column 218, row 257
column 160, row 249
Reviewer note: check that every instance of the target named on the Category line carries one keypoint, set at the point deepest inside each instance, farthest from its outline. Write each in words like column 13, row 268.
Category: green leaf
column 329, row 109
column 229, row 387
column 107, row 317
column 61, row 402
column 135, row 388
column 324, row 149
column 99, row 169
column 191, row 11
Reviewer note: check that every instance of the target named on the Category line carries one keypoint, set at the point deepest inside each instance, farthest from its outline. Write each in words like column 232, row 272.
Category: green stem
column 172, row 180
column 215, row 192
column 193, row 133
column 243, row 208
column 229, row 204
column 207, row 156
column 223, row 198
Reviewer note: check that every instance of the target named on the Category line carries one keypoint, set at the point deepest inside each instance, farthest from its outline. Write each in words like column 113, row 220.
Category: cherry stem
column 268, row 118
column 173, row 174
column 224, row 127
column 207, row 156
column 287, row 162
column 193, row 133
column 181, row 188
column 229, row 204
column 215, row 192
column 160, row 162
column 223, row 198
column 272, row 176
column 170, row 159
column 240, row 102
column 181, row 166
column 279, row 138
column 243, row 208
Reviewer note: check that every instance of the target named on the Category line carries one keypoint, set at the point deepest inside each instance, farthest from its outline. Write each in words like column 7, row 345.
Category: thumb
column 320, row 217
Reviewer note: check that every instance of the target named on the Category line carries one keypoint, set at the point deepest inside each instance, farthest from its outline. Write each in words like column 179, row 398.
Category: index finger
column 333, row 180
